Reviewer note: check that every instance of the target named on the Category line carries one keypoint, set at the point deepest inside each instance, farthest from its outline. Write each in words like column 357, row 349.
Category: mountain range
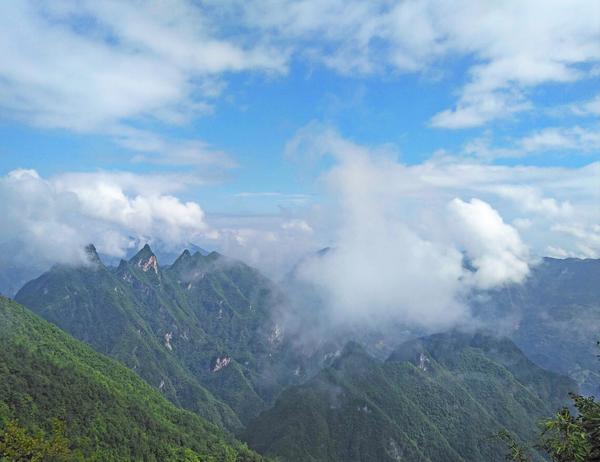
column 109, row 413
column 438, row 398
column 552, row 316
column 206, row 333
column 199, row 330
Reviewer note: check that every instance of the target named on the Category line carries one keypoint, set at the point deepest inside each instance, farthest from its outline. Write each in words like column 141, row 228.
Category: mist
column 409, row 244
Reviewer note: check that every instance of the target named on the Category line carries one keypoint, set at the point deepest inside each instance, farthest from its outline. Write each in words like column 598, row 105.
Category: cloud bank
column 409, row 242
column 403, row 251
column 51, row 220
column 510, row 46
column 107, row 67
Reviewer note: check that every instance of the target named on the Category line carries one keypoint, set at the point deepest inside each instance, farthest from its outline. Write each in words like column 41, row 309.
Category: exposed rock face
column 276, row 335
column 221, row 363
column 173, row 322
column 168, row 338
column 150, row 264
column 423, row 362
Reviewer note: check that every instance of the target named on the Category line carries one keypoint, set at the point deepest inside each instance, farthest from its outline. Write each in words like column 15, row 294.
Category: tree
column 566, row 437
column 18, row 445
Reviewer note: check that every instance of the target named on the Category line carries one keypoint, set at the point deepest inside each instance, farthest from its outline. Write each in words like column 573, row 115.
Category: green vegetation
column 553, row 317
column 442, row 397
column 566, row 437
column 60, row 400
column 16, row 444
column 574, row 438
column 200, row 330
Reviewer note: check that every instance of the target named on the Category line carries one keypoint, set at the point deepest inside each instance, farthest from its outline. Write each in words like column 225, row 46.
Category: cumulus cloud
column 510, row 46
column 587, row 238
column 410, row 242
column 494, row 248
column 52, row 219
column 169, row 61
column 575, row 141
column 400, row 247
column 98, row 66
column 590, row 107
column 272, row 242
column 155, row 149
column 407, row 241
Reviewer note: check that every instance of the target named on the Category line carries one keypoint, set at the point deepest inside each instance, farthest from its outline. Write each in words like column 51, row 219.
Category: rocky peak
column 92, row 255
column 214, row 255
column 183, row 261
column 145, row 260
column 150, row 264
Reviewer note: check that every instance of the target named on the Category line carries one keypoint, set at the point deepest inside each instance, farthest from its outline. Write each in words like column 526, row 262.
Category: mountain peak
column 145, row 260
column 144, row 253
column 353, row 355
column 184, row 258
column 92, row 254
column 214, row 255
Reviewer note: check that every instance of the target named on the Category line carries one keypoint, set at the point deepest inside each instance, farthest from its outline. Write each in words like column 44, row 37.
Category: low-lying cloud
column 51, row 220
column 408, row 242
column 399, row 255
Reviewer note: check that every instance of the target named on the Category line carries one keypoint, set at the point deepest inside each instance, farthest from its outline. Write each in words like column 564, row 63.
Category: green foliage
column 109, row 413
column 553, row 317
column 517, row 452
column 438, row 398
column 171, row 324
column 567, row 437
column 576, row 438
column 18, row 445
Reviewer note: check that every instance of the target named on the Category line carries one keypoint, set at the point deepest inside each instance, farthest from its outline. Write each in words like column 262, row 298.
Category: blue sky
column 258, row 114
column 203, row 102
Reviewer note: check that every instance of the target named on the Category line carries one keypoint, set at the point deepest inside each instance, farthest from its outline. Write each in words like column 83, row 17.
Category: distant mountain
column 109, row 413
column 199, row 330
column 17, row 269
column 437, row 398
column 14, row 271
column 164, row 254
column 554, row 317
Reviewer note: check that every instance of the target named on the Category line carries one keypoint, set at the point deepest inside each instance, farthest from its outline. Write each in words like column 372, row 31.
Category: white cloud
column 392, row 256
column 53, row 219
column 531, row 200
column 494, row 248
column 562, row 138
column 399, row 232
column 298, row 225
column 590, row 107
column 273, row 243
column 511, row 46
column 586, row 236
column 573, row 140
column 477, row 108
column 96, row 66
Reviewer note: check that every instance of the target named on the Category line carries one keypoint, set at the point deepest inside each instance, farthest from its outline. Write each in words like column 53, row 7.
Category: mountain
column 164, row 253
column 554, row 317
column 199, row 330
column 108, row 411
column 441, row 397
column 16, row 269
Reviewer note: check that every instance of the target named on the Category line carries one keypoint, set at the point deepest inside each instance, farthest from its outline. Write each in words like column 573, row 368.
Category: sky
column 417, row 131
